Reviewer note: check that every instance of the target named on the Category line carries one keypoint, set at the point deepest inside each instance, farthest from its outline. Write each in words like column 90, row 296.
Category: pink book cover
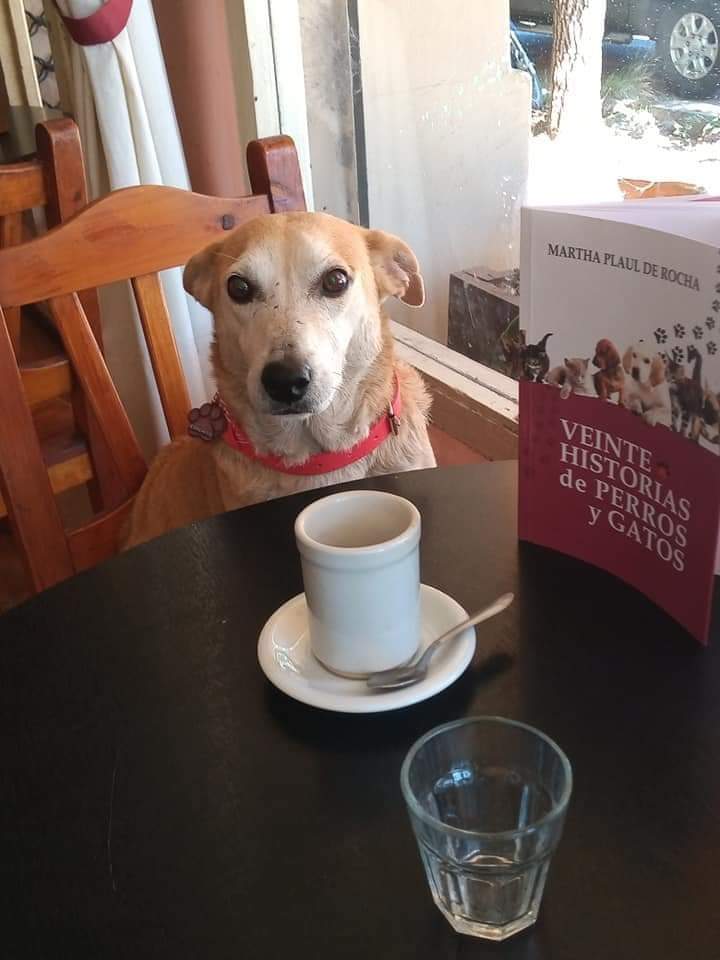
column 619, row 400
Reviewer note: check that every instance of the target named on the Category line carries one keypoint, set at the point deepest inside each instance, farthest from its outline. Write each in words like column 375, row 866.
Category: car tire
column 688, row 46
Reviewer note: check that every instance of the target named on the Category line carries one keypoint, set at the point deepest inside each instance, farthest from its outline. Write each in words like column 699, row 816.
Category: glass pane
column 443, row 115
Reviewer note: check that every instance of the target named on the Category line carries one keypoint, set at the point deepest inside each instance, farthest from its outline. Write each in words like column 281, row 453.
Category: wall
column 447, row 125
column 328, row 91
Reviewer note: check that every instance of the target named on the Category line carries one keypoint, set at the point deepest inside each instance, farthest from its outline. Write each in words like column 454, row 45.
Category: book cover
column 619, row 395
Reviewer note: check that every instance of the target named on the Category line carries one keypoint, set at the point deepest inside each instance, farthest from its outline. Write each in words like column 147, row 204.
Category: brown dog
column 610, row 376
column 304, row 362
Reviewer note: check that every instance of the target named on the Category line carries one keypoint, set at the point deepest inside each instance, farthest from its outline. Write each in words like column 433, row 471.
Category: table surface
column 161, row 799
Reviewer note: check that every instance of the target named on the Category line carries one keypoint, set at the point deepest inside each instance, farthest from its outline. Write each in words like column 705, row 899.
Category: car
column 686, row 34
column 521, row 61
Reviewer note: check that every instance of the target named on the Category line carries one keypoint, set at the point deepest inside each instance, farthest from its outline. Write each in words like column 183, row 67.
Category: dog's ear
column 397, row 272
column 627, row 360
column 199, row 276
column 657, row 370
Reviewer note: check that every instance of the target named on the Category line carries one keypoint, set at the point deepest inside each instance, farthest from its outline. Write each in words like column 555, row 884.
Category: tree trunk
column 579, row 27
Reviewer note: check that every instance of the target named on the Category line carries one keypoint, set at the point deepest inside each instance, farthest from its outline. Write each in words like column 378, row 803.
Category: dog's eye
column 335, row 282
column 646, row 360
column 239, row 289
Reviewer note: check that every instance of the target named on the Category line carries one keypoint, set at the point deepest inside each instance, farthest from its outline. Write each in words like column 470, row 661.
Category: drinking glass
column 487, row 799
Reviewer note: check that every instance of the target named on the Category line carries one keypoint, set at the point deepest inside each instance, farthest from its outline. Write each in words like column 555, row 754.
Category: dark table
column 161, row 799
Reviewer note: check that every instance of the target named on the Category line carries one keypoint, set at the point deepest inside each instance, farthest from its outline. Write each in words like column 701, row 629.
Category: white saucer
column 286, row 660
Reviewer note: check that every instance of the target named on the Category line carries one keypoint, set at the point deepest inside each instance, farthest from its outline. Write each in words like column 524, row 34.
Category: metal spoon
column 417, row 669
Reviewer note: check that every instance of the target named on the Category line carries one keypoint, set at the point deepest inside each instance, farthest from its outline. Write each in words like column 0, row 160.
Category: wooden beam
column 474, row 424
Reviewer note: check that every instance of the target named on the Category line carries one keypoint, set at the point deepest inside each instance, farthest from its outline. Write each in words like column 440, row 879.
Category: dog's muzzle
column 286, row 383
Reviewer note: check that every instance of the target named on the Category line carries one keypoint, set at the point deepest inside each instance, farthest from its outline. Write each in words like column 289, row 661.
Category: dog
column 610, row 375
column 304, row 362
column 645, row 389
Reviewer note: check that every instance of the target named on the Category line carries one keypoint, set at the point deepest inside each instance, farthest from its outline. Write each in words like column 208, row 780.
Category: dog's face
column 296, row 302
column 638, row 363
column 606, row 355
column 644, row 368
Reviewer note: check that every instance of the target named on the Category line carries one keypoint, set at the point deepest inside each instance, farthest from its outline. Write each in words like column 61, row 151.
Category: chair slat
column 99, row 389
column 64, row 475
column 127, row 233
column 21, row 187
column 163, row 350
column 24, row 482
column 46, row 379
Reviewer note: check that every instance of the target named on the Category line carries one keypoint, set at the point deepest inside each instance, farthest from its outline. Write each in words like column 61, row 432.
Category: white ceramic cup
column 361, row 571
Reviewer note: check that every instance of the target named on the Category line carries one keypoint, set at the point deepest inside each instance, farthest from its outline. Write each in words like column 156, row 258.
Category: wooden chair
column 130, row 234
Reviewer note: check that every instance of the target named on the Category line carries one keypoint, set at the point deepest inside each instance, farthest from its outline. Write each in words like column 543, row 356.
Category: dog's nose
column 286, row 382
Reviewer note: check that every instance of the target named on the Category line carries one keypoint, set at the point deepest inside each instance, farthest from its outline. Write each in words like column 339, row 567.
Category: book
column 620, row 393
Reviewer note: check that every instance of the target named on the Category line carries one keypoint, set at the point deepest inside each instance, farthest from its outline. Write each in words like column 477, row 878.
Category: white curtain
column 123, row 106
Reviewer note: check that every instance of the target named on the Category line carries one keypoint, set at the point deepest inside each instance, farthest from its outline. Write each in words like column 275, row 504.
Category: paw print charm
column 206, row 422
column 679, row 330
column 661, row 335
column 712, row 348
column 678, row 354
column 698, row 332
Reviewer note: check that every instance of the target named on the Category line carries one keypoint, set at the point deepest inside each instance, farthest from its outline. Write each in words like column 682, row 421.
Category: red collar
column 325, row 461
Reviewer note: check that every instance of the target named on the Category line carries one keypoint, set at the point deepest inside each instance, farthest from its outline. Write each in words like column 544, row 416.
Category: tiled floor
column 450, row 452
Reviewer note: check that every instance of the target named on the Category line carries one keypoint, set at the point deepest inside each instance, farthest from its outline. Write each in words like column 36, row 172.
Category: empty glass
column 487, row 800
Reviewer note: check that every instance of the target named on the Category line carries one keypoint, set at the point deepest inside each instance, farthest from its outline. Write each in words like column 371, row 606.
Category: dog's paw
column 206, row 422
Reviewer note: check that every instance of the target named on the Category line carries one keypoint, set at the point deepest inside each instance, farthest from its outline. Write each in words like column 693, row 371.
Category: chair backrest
column 130, row 234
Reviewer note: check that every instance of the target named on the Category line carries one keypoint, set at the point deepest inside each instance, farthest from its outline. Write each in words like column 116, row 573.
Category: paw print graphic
column 718, row 268
column 717, row 288
column 661, row 335
column 710, row 323
column 712, row 348
column 678, row 354
column 698, row 332
column 661, row 471
column 206, row 422
column 679, row 330
column 716, row 305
